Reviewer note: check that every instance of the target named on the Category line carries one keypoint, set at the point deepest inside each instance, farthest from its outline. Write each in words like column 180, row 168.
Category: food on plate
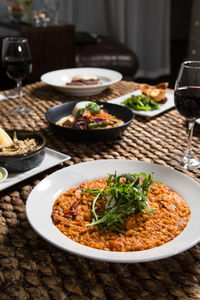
column 141, row 102
column 1, row 175
column 5, row 139
column 89, row 115
column 9, row 147
column 127, row 212
column 157, row 93
column 84, row 79
column 152, row 97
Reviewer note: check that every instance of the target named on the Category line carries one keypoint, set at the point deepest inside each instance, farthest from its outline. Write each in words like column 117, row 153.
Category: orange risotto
column 71, row 214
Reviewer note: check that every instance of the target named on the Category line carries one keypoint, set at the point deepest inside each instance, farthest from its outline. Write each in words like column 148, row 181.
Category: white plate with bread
column 156, row 94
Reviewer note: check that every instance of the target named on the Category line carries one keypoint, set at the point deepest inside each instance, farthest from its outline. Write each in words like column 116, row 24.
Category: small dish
column 59, row 79
column 55, row 113
column 26, row 161
column 51, row 159
column 3, row 174
column 149, row 114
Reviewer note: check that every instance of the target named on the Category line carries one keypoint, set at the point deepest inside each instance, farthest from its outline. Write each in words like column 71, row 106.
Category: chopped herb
column 141, row 102
column 125, row 194
column 94, row 108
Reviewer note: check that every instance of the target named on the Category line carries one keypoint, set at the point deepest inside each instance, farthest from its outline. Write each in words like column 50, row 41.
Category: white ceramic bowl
column 58, row 79
column 40, row 202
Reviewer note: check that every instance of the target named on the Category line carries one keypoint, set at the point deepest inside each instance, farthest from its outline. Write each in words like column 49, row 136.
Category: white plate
column 41, row 199
column 2, row 97
column 59, row 78
column 149, row 114
column 51, row 159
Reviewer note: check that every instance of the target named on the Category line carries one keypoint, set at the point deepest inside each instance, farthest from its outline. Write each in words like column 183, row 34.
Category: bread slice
column 157, row 92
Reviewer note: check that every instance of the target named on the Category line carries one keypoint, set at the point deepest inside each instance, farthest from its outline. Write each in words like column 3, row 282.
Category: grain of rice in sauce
column 72, row 212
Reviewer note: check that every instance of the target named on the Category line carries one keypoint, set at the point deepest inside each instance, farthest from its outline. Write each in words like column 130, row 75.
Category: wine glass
column 187, row 102
column 16, row 58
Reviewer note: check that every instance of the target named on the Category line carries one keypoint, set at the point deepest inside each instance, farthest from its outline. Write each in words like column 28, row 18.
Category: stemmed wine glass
column 187, row 102
column 16, row 58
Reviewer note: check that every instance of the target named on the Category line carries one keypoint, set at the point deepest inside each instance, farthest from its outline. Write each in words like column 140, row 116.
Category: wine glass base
column 22, row 110
column 185, row 161
column 14, row 94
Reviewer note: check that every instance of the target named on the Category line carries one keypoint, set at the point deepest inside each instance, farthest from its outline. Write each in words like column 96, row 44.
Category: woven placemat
column 31, row 268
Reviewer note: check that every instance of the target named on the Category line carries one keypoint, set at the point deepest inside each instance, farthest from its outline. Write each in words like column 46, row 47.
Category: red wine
column 17, row 68
column 187, row 101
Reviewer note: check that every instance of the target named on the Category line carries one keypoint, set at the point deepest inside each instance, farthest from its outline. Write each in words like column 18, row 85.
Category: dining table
column 33, row 268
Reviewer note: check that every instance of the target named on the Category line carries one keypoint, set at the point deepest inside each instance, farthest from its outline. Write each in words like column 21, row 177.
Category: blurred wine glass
column 187, row 102
column 16, row 58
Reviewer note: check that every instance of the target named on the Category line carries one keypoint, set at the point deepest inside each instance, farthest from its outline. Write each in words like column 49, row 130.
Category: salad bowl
column 55, row 113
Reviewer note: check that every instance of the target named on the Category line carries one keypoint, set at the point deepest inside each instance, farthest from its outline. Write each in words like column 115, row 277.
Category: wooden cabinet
column 52, row 48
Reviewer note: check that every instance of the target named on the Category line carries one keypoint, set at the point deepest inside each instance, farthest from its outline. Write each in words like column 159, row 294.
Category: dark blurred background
column 64, row 44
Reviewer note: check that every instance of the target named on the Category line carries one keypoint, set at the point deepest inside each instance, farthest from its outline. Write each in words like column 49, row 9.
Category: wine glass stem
column 190, row 135
column 19, row 88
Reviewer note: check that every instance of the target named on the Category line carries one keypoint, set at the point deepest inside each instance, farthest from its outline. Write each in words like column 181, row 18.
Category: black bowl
column 55, row 113
column 26, row 161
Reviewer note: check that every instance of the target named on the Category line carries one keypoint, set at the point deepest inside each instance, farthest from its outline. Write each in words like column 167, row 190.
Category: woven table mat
column 31, row 268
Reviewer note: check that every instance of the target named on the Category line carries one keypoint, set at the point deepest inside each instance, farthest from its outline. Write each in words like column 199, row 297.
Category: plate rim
column 198, row 121
column 116, row 257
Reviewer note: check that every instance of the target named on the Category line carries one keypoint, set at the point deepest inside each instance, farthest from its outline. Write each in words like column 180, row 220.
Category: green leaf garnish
column 94, row 108
column 125, row 194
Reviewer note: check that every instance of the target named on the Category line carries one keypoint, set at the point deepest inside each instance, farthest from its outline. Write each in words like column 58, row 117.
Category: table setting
column 38, row 260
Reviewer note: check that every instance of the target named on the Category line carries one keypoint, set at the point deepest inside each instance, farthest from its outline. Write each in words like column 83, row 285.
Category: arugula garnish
column 125, row 194
column 141, row 102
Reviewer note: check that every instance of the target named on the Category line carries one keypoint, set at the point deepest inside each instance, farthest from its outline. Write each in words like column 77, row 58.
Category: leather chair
column 105, row 52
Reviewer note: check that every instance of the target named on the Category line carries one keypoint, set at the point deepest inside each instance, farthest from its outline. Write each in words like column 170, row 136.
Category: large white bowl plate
column 41, row 199
column 59, row 79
